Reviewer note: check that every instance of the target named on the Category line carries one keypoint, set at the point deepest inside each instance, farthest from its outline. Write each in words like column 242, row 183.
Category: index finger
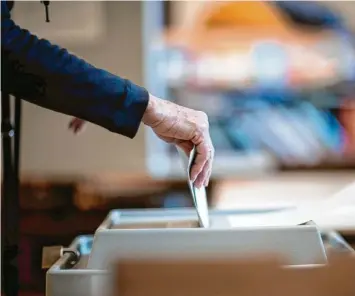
column 204, row 151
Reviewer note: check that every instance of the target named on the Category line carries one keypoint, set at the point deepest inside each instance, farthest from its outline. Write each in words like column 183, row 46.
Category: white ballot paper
column 199, row 196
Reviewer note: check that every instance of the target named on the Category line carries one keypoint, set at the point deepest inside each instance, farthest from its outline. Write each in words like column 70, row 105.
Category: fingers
column 200, row 161
column 76, row 125
column 202, row 168
column 209, row 172
column 186, row 147
column 204, row 176
column 186, row 128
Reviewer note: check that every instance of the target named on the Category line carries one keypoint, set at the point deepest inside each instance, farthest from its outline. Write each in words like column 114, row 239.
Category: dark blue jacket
column 49, row 76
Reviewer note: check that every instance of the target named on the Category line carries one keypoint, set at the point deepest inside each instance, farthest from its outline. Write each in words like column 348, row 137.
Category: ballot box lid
column 298, row 245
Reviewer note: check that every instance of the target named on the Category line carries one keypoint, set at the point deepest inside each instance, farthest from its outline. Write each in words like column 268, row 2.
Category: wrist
column 149, row 111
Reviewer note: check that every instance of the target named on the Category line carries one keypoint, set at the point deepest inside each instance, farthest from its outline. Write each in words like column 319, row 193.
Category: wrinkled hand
column 185, row 128
column 177, row 125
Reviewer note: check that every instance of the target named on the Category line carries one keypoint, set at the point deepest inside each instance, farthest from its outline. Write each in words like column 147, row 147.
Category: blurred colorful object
column 270, row 75
column 311, row 13
column 243, row 44
column 243, row 14
column 348, row 119
column 270, row 65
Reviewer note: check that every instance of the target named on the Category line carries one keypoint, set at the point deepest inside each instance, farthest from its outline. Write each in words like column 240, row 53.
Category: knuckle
column 206, row 150
column 203, row 114
column 203, row 118
column 198, row 134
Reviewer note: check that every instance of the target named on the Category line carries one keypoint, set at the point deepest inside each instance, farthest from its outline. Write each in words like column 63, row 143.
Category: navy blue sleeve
column 49, row 76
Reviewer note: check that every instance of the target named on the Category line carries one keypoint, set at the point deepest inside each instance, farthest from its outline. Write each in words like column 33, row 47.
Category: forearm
column 49, row 76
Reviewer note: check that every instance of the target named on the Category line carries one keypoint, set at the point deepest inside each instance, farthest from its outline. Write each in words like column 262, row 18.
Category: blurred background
column 275, row 78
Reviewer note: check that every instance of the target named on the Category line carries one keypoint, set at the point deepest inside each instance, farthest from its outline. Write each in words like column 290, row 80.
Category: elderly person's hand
column 181, row 126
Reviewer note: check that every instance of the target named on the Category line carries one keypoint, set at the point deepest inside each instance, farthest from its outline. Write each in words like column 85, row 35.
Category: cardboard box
column 253, row 277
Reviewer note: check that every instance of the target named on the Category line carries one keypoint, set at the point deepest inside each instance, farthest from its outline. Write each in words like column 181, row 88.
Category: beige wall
column 47, row 146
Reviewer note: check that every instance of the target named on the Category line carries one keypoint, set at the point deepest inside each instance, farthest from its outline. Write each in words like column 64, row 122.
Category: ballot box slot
column 160, row 220
column 128, row 220
column 157, row 224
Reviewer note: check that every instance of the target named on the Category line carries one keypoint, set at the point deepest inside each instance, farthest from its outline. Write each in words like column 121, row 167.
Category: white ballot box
column 84, row 267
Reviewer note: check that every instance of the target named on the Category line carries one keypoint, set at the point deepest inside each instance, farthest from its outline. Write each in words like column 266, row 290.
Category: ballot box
column 85, row 267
